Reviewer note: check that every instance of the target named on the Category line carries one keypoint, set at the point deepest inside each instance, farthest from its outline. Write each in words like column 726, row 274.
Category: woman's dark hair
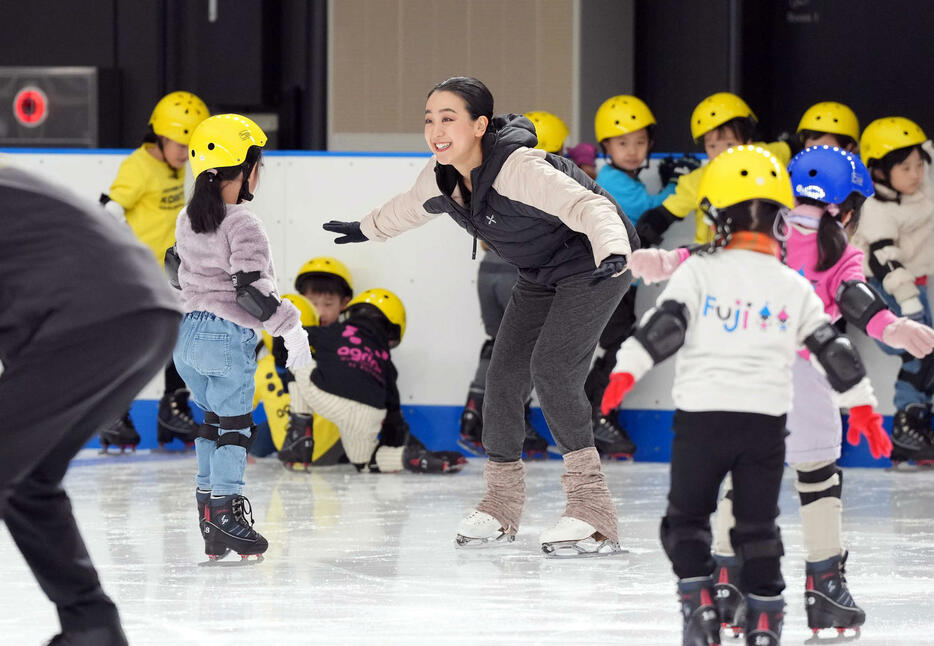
column 475, row 94
column 743, row 128
column 842, row 140
column 896, row 157
column 206, row 208
column 831, row 236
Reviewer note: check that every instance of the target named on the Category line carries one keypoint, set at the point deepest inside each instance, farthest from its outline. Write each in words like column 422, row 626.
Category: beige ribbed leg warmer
column 587, row 494
column 505, row 493
column 723, row 520
column 821, row 520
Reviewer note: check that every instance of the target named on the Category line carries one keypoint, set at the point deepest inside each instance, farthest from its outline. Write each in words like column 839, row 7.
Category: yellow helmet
column 223, row 140
column 309, row 317
column 550, row 129
column 325, row 265
column 177, row 115
column 620, row 115
column 386, row 302
column 744, row 173
column 716, row 110
column 832, row 117
column 882, row 136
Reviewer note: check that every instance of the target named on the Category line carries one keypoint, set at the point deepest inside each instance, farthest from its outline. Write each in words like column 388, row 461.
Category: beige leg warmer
column 588, row 498
column 389, row 459
column 819, row 486
column 723, row 520
column 359, row 424
column 505, row 493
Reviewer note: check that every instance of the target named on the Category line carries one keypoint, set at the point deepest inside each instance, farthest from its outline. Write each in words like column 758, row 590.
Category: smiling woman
column 570, row 242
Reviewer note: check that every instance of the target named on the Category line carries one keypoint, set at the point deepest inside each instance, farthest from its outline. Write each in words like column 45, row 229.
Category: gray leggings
column 547, row 337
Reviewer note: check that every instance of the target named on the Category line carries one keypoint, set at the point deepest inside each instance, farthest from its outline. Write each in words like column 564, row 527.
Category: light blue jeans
column 217, row 360
column 905, row 391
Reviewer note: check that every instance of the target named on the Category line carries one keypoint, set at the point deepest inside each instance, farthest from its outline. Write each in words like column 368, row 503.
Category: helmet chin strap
column 245, row 195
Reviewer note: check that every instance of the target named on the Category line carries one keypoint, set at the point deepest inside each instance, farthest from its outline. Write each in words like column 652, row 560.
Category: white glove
column 905, row 334
column 298, row 348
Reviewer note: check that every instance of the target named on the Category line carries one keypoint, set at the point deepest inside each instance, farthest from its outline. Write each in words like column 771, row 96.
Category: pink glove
column 865, row 421
column 654, row 265
column 905, row 334
column 620, row 384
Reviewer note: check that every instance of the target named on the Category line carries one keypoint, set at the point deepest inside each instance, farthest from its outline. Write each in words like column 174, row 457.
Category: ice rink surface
column 370, row 559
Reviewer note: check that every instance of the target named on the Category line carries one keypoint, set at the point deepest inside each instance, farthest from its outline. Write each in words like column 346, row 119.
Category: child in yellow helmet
column 147, row 194
column 896, row 234
column 352, row 382
column 326, row 282
column 737, row 317
column 829, row 123
column 718, row 122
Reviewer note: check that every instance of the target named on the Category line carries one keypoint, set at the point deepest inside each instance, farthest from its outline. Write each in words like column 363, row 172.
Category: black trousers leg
column 53, row 397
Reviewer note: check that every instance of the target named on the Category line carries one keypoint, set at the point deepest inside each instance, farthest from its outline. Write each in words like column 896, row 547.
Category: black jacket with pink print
column 536, row 210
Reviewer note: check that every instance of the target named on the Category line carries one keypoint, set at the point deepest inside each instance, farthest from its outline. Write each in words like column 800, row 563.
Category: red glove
column 620, row 384
column 864, row 420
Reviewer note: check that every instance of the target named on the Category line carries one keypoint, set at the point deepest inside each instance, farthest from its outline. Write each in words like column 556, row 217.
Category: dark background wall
column 781, row 55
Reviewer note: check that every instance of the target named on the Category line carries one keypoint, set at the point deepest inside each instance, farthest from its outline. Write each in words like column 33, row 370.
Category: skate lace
column 608, row 429
column 242, row 510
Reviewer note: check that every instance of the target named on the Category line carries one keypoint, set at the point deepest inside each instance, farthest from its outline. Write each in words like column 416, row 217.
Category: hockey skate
column 418, row 459
column 228, row 526
column 571, row 538
column 764, row 619
column 611, row 439
column 299, row 445
column 534, row 446
column 701, row 621
column 731, row 606
column 479, row 529
column 912, row 438
column 828, row 602
column 120, row 433
column 472, row 424
column 174, row 420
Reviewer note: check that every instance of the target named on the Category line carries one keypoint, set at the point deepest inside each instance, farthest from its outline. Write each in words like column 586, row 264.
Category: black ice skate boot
column 121, row 433
column 701, row 621
column 764, row 618
column 827, row 599
column 174, row 420
column 99, row 636
column 611, row 439
column 730, row 603
column 471, row 437
column 418, row 459
column 534, row 446
column 228, row 525
column 299, row 444
column 910, row 435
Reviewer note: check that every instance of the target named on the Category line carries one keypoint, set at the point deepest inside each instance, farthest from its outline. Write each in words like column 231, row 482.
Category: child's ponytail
column 832, row 237
column 206, row 208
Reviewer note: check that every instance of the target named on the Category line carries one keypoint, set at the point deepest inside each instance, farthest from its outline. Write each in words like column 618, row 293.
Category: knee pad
column 757, row 540
column 677, row 528
column 208, row 429
column 823, row 482
column 236, row 423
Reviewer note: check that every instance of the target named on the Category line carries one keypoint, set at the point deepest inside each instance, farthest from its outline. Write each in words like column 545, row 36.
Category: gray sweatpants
column 547, row 337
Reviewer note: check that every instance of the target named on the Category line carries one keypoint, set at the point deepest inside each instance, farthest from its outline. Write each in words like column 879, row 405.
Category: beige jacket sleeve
column 878, row 222
column 405, row 211
column 528, row 178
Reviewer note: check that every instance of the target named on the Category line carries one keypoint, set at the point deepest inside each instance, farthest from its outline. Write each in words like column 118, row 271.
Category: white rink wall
column 429, row 268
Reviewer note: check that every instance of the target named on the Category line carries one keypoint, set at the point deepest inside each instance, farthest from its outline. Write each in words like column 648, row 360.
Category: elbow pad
column 858, row 302
column 653, row 224
column 663, row 334
column 171, row 262
column 250, row 298
column 837, row 356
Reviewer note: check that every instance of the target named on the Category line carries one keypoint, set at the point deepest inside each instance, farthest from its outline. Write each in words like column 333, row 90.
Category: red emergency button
column 31, row 106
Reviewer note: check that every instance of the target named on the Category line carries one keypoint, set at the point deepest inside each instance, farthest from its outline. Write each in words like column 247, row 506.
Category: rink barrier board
column 438, row 427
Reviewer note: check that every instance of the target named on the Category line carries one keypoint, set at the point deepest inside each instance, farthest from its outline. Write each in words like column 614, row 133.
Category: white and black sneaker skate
column 228, row 526
column 478, row 529
column 572, row 537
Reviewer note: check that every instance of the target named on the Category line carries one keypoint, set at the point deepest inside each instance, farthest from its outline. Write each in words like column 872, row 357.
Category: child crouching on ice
column 353, row 384
column 739, row 317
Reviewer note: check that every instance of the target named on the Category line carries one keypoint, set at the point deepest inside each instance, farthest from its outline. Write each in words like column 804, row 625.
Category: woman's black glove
column 350, row 230
column 612, row 264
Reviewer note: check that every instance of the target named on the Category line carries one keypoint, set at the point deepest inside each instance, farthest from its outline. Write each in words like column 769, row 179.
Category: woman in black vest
column 570, row 242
